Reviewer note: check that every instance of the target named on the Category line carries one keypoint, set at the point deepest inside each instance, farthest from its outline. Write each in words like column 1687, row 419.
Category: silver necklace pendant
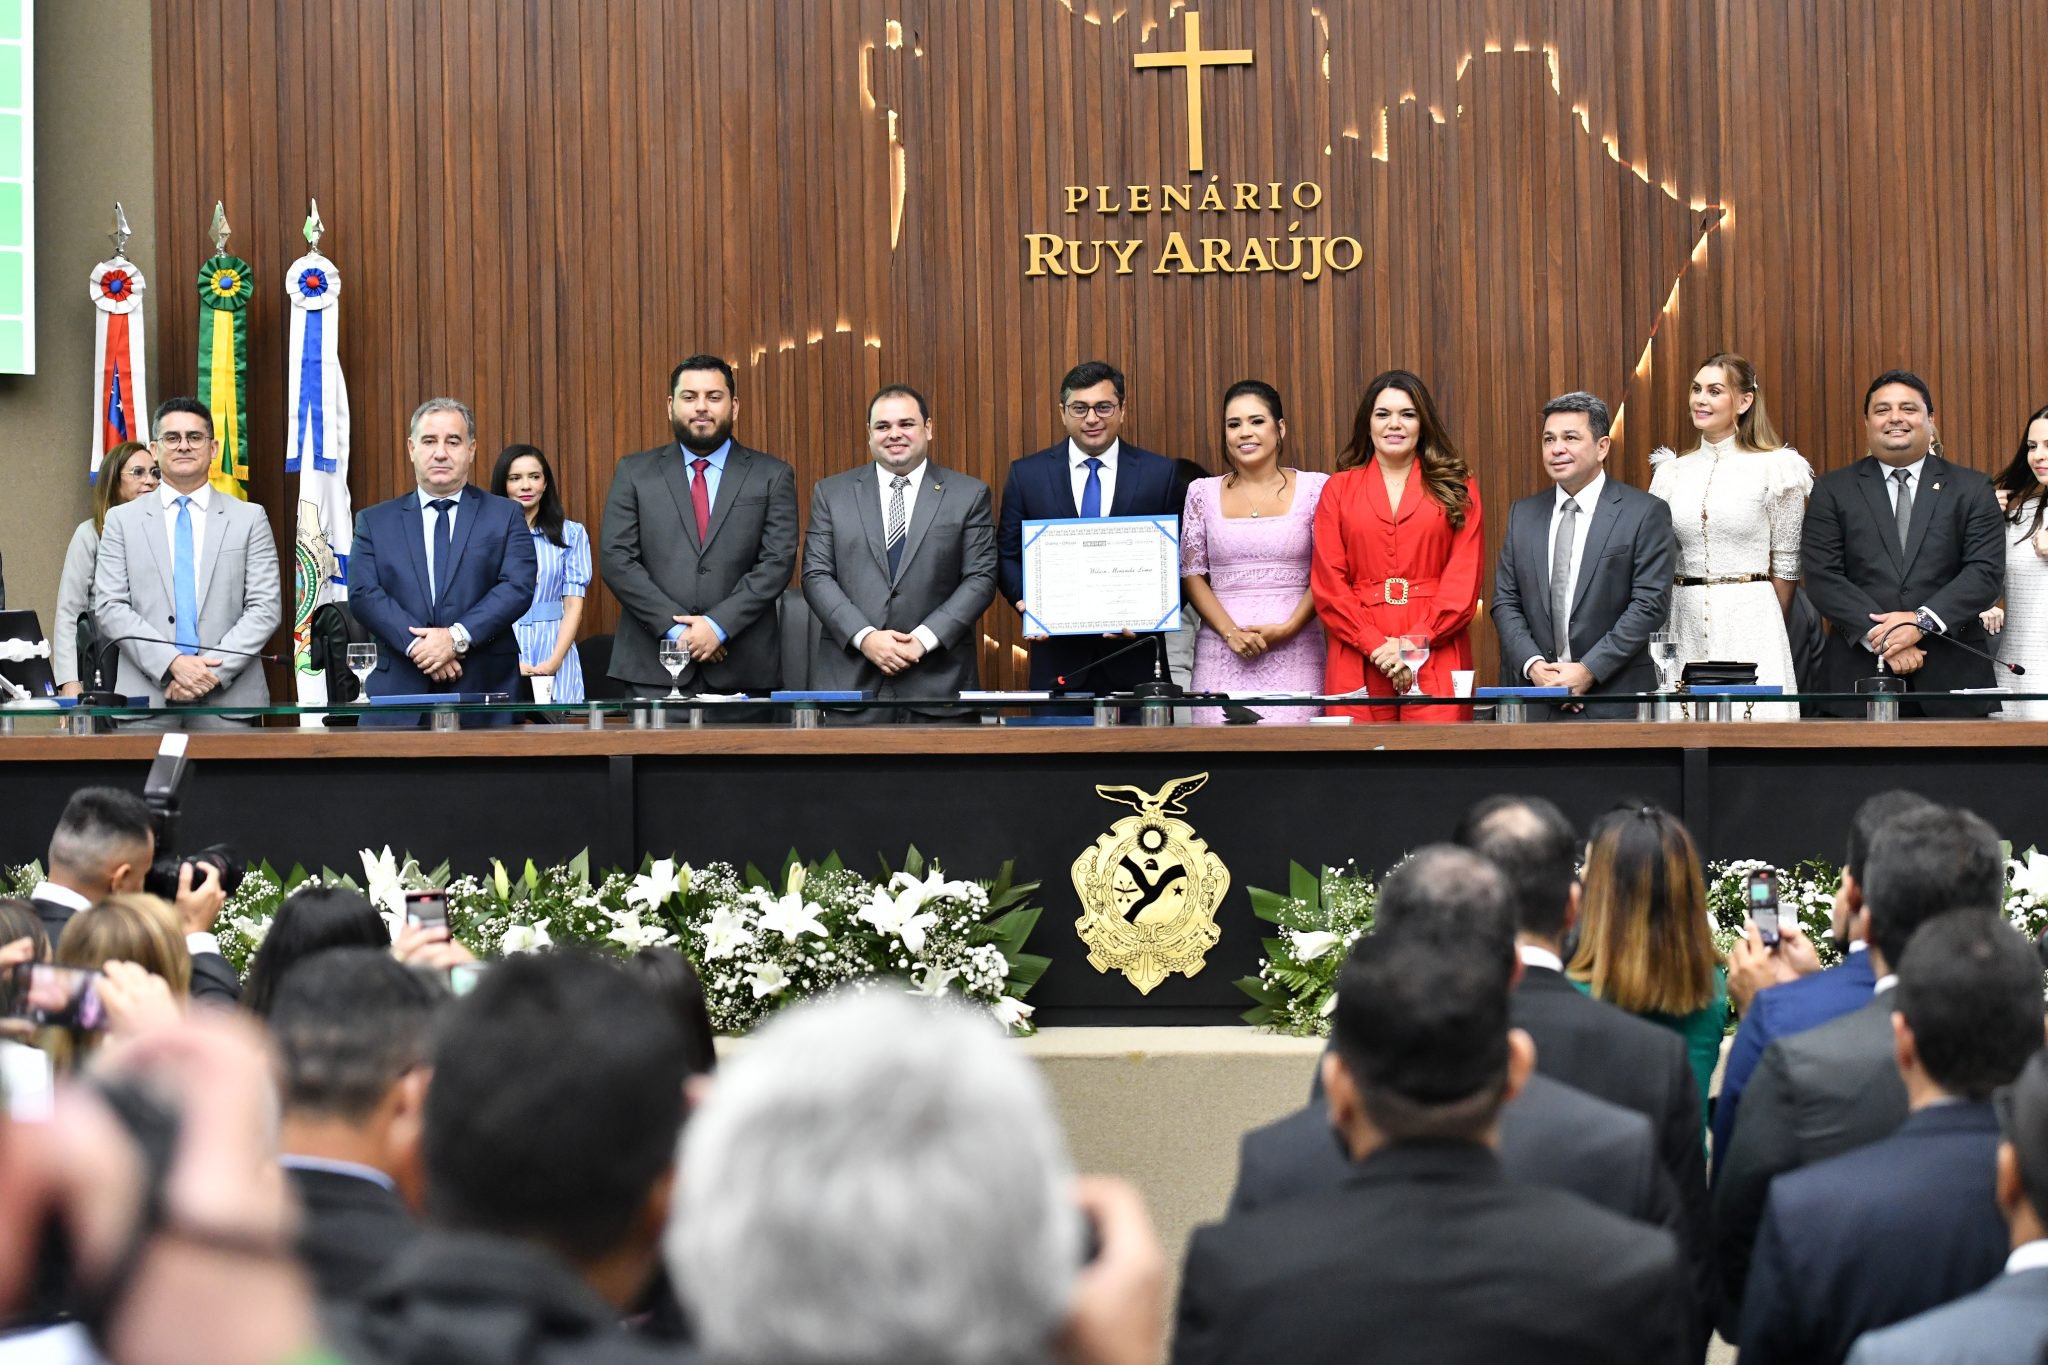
column 1255, row 514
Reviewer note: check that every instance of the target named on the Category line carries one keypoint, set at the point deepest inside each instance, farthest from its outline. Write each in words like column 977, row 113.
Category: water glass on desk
column 675, row 657
column 362, row 661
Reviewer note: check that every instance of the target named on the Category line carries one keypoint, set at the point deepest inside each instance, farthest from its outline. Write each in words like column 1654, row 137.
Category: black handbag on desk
column 1718, row 673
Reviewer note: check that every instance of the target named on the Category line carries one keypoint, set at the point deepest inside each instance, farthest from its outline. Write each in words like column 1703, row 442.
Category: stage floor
column 974, row 796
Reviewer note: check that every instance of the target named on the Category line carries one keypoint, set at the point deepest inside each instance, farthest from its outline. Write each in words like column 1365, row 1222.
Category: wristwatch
column 1924, row 619
column 460, row 636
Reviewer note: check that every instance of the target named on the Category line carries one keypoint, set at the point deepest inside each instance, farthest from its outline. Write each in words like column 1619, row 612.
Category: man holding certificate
column 1099, row 583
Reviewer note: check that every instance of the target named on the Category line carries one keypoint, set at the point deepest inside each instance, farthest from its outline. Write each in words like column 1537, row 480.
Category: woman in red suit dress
column 1397, row 551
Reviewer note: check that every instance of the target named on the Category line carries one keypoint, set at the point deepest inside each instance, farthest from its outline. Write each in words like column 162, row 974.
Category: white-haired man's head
column 876, row 1179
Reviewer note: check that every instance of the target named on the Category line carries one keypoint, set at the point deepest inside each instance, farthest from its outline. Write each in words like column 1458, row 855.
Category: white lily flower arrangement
column 1319, row 917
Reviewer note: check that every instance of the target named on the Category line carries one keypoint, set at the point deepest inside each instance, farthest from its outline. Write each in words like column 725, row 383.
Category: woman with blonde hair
column 127, row 472
column 1644, row 942
column 133, row 928
column 1738, row 504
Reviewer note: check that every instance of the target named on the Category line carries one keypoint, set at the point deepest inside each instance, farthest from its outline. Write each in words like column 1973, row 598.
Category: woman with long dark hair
column 2022, row 623
column 547, row 633
column 1245, row 548
column 1398, row 542
column 1644, row 942
column 126, row 472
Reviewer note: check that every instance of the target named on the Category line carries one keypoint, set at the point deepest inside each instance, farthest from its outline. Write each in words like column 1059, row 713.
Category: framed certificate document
column 1087, row 576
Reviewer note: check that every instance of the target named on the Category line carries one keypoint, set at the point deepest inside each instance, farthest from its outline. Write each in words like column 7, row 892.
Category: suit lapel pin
column 1937, row 486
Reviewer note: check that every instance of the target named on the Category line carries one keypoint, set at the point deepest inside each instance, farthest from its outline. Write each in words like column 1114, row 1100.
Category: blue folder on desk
column 1735, row 690
column 439, row 698
column 1519, row 693
column 795, row 695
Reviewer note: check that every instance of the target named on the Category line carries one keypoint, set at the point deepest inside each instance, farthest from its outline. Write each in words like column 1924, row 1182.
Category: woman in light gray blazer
column 127, row 471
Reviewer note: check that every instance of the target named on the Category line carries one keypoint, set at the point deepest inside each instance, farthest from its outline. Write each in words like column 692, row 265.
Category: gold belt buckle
column 1387, row 591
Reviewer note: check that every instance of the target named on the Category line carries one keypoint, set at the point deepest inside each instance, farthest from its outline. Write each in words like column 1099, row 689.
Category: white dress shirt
column 923, row 634
column 1587, row 498
column 1077, row 465
column 1533, row 956
column 201, row 500
column 1891, row 493
column 353, row 1169
column 2027, row 1256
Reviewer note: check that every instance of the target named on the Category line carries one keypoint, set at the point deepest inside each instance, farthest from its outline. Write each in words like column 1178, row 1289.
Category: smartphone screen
column 29, row 1080
column 463, row 976
column 428, row 908
column 44, row 993
column 1762, row 888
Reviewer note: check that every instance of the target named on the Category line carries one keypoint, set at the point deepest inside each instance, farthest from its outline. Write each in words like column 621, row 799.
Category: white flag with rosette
column 316, row 449
column 120, row 407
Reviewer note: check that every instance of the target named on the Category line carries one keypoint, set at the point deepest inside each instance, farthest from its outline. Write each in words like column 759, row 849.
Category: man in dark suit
column 1090, row 474
column 1911, row 1221
column 352, row 1027
column 1429, row 1252
column 1835, row 1088
column 899, row 564
column 105, row 842
column 1585, row 570
column 1900, row 546
column 439, row 575
column 1586, row 1043
column 544, row 1217
column 698, row 544
column 1800, row 1002
column 2007, row 1320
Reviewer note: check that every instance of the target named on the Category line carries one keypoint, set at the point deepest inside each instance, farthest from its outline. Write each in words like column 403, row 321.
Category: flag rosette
column 314, row 286
column 116, row 287
column 225, row 283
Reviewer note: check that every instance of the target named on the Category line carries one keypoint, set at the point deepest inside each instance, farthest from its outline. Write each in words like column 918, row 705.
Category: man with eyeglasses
column 1092, row 473
column 187, row 580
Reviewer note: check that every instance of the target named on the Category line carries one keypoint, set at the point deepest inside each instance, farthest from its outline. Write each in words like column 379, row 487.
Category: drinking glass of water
column 675, row 657
column 1664, row 658
column 362, row 661
column 1414, row 654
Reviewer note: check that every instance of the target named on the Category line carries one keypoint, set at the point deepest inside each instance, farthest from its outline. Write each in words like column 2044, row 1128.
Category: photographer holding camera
column 105, row 842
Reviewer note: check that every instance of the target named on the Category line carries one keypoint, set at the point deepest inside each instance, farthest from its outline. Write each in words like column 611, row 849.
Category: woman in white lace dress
column 1738, row 503
column 2021, row 625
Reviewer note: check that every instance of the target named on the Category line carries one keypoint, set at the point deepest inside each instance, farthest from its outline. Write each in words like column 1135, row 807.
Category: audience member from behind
column 875, row 1181
column 1550, row 1134
column 1834, row 1088
column 352, row 1028
column 129, row 928
column 676, row 984
column 1644, row 940
column 1429, row 1253
column 1911, row 1221
column 317, row 918
column 19, row 921
column 2007, row 1320
column 1782, row 991
column 550, row 1141
column 1585, row 1043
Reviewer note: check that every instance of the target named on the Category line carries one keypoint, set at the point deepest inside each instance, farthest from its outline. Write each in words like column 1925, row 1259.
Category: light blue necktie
column 185, row 581
column 1091, row 493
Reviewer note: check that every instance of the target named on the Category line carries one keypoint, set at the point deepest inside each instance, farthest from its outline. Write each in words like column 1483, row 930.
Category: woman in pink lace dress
column 1244, row 563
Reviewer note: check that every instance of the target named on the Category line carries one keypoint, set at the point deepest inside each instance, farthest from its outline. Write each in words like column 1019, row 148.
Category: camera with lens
column 163, row 791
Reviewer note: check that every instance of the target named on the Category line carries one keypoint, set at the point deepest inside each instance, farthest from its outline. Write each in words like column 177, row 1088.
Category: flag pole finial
column 220, row 231
column 120, row 235
column 314, row 227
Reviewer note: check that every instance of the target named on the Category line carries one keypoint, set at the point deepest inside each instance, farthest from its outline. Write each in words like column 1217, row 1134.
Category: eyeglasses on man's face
column 174, row 439
column 1077, row 411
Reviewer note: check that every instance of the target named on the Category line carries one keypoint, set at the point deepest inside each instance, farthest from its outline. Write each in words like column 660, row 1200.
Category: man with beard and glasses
column 699, row 539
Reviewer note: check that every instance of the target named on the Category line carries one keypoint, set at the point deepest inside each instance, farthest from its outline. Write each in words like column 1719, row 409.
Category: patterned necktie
column 185, row 581
column 700, row 497
column 893, row 535
column 1091, row 494
column 1902, row 512
column 1561, row 578
column 442, row 540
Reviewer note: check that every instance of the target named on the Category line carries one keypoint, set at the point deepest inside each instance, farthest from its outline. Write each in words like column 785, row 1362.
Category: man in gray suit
column 899, row 564
column 1585, row 570
column 699, row 540
column 187, row 578
column 2007, row 1320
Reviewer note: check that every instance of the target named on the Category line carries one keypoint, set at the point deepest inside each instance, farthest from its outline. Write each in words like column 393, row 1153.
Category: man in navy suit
column 1910, row 1222
column 440, row 574
column 1794, row 1003
column 1090, row 474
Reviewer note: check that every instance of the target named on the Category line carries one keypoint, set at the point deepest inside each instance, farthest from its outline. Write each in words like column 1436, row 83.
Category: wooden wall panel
column 539, row 205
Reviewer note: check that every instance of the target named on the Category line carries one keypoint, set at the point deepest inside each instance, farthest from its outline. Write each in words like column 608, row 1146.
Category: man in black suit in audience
column 352, row 1027
column 1429, row 1252
column 550, row 1141
column 1906, row 1224
column 104, row 843
column 1587, row 1043
column 1550, row 1134
column 1834, row 1088
column 1902, row 546
column 2007, row 1320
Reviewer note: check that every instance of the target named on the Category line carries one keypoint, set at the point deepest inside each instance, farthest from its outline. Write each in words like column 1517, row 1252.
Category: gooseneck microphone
column 1065, row 681
column 101, row 697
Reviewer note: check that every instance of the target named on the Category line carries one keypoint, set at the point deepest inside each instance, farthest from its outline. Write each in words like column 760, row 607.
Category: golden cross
column 1193, row 60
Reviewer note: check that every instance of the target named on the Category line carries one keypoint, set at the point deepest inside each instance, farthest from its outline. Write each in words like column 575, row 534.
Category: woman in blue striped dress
column 547, row 633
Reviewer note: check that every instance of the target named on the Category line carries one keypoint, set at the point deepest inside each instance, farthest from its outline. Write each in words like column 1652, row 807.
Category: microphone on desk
column 100, row 696
column 2015, row 669
column 1160, row 685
